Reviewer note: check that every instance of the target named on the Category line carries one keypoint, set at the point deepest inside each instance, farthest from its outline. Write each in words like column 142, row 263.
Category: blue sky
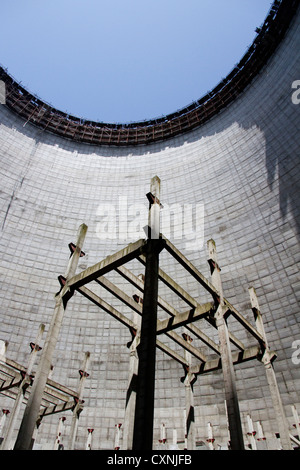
column 125, row 60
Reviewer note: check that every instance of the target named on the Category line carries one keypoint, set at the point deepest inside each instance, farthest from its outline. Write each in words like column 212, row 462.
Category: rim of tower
column 41, row 114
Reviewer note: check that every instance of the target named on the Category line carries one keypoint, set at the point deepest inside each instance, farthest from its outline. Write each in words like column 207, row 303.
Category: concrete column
column 261, row 436
column 144, row 410
column 88, row 445
column 267, row 360
column 118, row 436
column 32, row 409
column 233, row 412
column 210, row 440
column 189, row 400
column 174, row 441
column 3, row 349
column 296, row 419
column 154, row 209
column 163, row 437
column 7, row 441
column 132, row 381
column 35, row 432
column 60, row 427
column 251, row 433
column 3, row 420
column 78, row 407
column 132, row 384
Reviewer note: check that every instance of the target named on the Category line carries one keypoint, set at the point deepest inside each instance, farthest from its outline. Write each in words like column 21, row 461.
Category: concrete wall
column 243, row 166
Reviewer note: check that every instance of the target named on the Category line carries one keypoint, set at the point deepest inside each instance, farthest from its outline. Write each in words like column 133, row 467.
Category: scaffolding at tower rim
column 37, row 112
column 146, row 330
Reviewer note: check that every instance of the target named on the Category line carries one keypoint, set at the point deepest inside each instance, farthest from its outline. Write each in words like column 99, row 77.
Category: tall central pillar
column 144, row 410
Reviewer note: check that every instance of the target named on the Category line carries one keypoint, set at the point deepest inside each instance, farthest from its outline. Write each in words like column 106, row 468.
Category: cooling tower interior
column 229, row 171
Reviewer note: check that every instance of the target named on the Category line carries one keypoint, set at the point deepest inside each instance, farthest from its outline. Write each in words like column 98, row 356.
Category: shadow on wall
column 279, row 121
column 282, row 158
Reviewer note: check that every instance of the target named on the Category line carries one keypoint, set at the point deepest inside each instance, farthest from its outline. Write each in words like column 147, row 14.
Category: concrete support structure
column 35, row 347
column 174, row 440
column 261, row 438
column 189, row 381
column 58, row 440
column 251, row 433
column 3, row 420
column 210, row 440
column 234, row 419
column 24, row 439
column 118, row 436
column 296, row 424
column 267, row 359
column 139, row 412
column 78, row 407
column 237, row 151
column 132, row 383
column 88, row 445
column 144, row 412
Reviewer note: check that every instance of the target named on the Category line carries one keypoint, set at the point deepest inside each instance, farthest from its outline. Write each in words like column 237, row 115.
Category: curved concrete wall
column 243, row 166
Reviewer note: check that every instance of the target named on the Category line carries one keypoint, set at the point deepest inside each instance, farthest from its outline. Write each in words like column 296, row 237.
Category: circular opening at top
column 125, row 61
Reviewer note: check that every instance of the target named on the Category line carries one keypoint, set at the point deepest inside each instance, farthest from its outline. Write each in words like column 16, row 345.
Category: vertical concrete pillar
column 154, row 209
column 296, row 419
column 118, row 436
column 132, row 384
column 163, row 437
column 7, row 441
column 35, row 432
column 30, row 416
column 174, row 441
column 233, row 412
column 261, row 436
column 267, row 360
column 210, row 440
column 88, row 445
column 3, row 349
column 60, row 427
column 189, row 400
column 144, row 410
column 3, row 420
column 78, row 408
column 251, row 433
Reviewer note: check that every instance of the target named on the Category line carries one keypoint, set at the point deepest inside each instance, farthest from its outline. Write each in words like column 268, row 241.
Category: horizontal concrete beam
column 169, row 282
column 164, row 277
column 138, row 283
column 182, row 319
column 188, row 266
column 244, row 322
column 119, row 294
column 53, row 409
column 138, row 308
column 237, row 358
column 130, row 252
column 170, row 352
column 187, row 346
column 106, row 307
